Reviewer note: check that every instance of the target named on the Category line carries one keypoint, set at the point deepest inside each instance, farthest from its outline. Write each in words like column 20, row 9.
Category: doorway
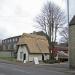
column 43, row 57
column 24, row 57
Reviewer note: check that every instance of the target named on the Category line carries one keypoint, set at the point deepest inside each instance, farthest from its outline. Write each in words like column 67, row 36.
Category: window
column 10, row 40
column 3, row 41
column 6, row 47
column 13, row 39
column 16, row 39
column 15, row 46
column 11, row 46
column 7, row 41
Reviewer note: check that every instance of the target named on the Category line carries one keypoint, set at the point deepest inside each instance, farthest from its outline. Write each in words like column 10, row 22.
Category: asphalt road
column 11, row 69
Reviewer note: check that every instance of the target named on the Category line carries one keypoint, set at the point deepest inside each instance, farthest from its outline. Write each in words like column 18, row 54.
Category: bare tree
column 64, row 34
column 50, row 20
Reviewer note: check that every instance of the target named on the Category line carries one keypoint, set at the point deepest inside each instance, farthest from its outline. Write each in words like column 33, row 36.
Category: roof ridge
column 34, row 36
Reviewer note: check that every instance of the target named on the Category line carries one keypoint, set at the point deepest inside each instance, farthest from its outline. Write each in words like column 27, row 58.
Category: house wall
column 29, row 57
column 22, row 49
column 46, row 56
column 39, row 56
column 72, row 46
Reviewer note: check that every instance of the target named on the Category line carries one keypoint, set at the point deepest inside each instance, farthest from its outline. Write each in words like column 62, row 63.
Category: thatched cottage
column 72, row 43
column 32, row 45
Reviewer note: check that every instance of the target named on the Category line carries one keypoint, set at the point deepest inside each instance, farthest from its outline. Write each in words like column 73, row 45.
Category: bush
column 51, row 61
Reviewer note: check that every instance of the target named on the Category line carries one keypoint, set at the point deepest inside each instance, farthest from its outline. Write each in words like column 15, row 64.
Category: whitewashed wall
column 46, row 56
column 39, row 56
column 29, row 57
column 24, row 50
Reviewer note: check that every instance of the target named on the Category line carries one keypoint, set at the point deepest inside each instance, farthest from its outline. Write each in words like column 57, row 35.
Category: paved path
column 11, row 69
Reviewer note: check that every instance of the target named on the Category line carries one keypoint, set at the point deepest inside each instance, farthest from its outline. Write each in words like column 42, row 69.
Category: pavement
column 7, row 68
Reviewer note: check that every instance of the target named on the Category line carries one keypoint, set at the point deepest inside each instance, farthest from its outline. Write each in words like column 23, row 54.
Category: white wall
column 39, row 56
column 24, row 50
column 46, row 56
column 29, row 57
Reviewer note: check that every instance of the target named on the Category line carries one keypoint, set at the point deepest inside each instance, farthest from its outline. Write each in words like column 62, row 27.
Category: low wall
column 6, row 54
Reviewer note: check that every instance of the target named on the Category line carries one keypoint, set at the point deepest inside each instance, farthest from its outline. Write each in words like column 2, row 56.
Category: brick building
column 9, row 44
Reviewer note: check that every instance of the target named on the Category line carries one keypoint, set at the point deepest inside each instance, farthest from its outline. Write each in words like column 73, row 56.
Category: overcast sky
column 17, row 16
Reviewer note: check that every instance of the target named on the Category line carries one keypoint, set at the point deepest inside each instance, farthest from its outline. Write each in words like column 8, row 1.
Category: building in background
column 9, row 44
column 72, row 43
column 0, row 45
column 61, row 52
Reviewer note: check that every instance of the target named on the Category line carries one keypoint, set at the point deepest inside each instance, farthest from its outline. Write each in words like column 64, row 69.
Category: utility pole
column 68, row 30
column 68, row 11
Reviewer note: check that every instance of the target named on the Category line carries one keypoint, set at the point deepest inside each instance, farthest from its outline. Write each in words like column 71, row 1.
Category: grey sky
column 72, row 8
column 17, row 16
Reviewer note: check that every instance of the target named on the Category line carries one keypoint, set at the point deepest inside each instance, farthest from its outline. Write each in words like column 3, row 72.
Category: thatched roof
column 35, row 43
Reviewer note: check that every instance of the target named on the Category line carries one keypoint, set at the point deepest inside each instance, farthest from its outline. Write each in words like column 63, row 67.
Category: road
column 11, row 69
